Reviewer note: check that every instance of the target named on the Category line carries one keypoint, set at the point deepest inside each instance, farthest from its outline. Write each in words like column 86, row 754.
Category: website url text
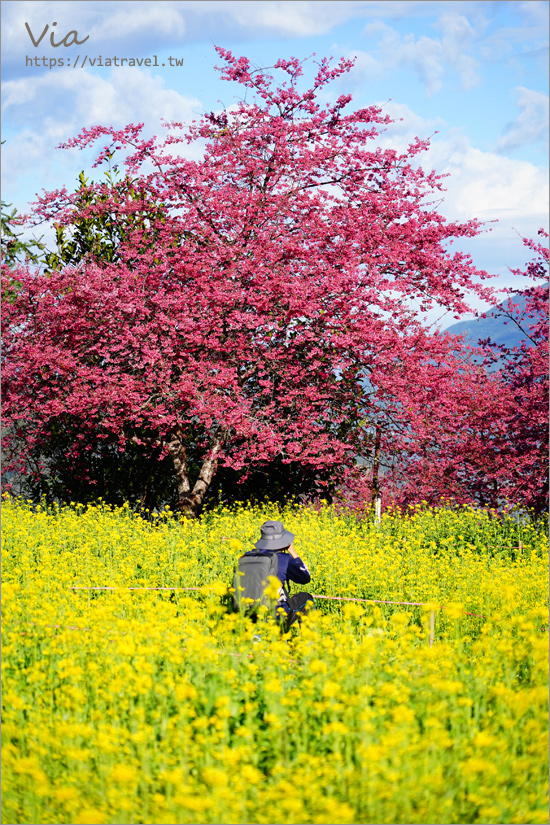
column 60, row 62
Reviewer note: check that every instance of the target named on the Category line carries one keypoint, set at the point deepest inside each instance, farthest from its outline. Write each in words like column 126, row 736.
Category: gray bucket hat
column 274, row 536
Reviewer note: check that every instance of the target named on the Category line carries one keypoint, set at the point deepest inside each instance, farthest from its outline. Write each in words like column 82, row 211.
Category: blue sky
column 474, row 72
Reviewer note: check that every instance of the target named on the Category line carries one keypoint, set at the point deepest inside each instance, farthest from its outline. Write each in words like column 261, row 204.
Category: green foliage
column 104, row 223
column 14, row 248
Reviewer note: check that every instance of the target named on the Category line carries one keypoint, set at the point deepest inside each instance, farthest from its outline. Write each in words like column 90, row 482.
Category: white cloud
column 480, row 184
column 17, row 93
column 458, row 37
column 531, row 125
column 535, row 12
column 488, row 186
column 64, row 103
column 301, row 18
column 127, row 19
column 124, row 24
column 425, row 56
column 129, row 95
column 28, row 151
column 512, row 43
column 407, row 125
column 366, row 67
column 297, row 19
column 131, row 24
column 430, row 58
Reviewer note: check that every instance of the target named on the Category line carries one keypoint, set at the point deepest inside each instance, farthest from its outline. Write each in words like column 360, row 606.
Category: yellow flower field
column 155, row 706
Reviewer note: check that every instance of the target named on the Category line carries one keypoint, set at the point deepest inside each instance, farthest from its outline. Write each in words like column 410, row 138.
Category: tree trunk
column 190, row 501
column 176, row 449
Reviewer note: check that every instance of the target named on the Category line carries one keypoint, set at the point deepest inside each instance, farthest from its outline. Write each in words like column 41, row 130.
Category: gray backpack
column 252, row 577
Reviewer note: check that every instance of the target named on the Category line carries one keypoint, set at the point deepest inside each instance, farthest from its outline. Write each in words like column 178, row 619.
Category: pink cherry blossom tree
column 261, row 310
column 493, row 447
column 523, row 374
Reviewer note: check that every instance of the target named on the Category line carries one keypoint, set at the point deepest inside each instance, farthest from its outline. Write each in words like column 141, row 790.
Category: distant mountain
column 495, row 326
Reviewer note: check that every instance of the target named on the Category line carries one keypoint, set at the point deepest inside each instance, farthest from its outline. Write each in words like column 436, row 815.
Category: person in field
column 273, row 555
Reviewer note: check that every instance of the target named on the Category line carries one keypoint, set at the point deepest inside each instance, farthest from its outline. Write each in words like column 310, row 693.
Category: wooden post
column 432, row 627
column 378, row 508
column 376, row 497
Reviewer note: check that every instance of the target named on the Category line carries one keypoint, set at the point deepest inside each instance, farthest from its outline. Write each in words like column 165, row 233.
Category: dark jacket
column 289, row 569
